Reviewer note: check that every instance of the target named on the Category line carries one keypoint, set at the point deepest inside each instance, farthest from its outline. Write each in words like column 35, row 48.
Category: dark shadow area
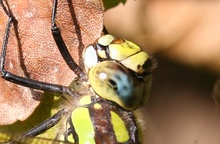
column 180, row 106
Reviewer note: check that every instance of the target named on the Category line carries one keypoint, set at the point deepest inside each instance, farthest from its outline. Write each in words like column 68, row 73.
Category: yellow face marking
column 102, row 53
column 106, row 40
column 119, row 127
column 135, row 62
column 123, row 50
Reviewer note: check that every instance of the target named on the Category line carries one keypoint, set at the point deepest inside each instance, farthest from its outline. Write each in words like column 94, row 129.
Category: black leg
column 45, row 125
column 62, row 46
column 22, row 80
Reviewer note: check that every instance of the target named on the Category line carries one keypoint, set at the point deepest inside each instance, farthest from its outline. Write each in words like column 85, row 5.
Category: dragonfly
column 99, row 104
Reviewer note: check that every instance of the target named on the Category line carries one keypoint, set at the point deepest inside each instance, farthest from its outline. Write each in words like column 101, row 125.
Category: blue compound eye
column 114, row 82
column 119, row 71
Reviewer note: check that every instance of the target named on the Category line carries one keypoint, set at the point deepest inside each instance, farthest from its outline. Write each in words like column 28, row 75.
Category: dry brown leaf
column 33, row 53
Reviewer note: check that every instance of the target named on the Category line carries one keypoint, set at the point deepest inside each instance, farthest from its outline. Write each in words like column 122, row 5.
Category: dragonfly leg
column 45, row 125
column 61, row 45
column 23, row 80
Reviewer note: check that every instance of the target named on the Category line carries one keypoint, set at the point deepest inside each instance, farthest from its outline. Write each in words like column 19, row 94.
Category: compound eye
column 113, row 82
